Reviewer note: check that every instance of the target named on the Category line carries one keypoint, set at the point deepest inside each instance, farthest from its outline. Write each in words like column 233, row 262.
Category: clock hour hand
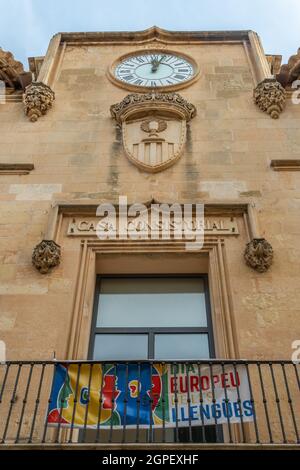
column 155, row 64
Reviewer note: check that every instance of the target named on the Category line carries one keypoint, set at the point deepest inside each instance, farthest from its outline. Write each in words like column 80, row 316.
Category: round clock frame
column 138, row 88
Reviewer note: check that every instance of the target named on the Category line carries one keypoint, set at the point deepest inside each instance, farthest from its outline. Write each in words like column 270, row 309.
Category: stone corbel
column 37, row 100
column 259, row 254
column 269, row 96
column 46, row 255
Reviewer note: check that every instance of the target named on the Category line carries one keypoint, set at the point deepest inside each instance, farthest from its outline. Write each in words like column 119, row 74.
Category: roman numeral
column 180, row 77
column 128, row 78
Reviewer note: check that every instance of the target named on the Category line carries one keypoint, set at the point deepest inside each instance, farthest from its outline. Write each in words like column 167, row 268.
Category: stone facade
column 79, row 161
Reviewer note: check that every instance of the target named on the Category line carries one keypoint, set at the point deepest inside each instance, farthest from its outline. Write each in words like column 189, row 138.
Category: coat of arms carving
column 153, row 128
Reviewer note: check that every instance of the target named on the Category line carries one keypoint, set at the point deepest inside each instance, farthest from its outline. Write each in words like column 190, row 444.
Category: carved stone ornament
column 10, row 69
column 46, row 255
column 290, row 72
column 259, row 254
column 153, row 128
column 269, row 96
column 37, row 99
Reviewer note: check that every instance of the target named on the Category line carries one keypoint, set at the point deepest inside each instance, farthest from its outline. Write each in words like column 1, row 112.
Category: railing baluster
column 97, row 439
column 226, row 403
column 176, row 401
column 112, row 403
column 12, row 402
column 49, row 401
column 24, row 403
column 277, row 399
column 253, row 404
column 265, row 402
column 138, row 404
column 4, row 381
column 88, row 402
column 239, row 401
column 201, row 404
column 297, row 375
column 163, row 401
column 290, row 401
column 37, row 403
column 213, row 398
column 125, row 403
column 62, row 402
column 150, row 437
column 75, row 402
column 187, row 375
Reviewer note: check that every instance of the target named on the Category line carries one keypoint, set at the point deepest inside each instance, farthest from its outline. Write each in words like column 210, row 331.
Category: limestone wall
column 78, row 156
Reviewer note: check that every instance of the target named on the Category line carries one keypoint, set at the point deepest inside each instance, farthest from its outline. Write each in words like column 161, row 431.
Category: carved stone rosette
column 269, row 96
column 259, row 254
column 46, row 255
column 37, row 99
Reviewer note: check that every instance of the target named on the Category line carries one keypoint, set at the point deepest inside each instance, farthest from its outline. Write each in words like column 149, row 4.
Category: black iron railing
column 214, row 401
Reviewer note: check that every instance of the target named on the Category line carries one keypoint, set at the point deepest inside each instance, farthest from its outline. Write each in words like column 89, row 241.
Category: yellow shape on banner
column 81, row 405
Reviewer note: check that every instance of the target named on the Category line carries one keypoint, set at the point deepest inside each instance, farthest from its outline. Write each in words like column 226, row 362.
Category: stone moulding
column 37, row 100
column 259, row 254
column 270, row 96
column 135, row 102
column 46, row 255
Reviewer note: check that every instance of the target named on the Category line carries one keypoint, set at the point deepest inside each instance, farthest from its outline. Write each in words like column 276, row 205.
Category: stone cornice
column 154, row 33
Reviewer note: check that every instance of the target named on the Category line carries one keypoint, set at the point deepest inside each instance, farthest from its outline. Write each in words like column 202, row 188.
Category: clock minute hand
column 155, row 63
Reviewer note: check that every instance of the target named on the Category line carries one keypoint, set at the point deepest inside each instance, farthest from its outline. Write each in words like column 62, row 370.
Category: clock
column 154, row 69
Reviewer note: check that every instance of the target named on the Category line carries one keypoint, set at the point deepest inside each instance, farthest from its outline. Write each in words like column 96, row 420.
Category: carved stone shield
column 153, row 128
column 154, row 143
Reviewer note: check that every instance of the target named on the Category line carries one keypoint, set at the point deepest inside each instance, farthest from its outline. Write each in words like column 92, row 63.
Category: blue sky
column 26, row 26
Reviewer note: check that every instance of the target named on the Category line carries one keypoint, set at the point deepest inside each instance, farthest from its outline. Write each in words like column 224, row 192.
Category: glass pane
column 181, row 346
column 110, row 347
column 152, row 302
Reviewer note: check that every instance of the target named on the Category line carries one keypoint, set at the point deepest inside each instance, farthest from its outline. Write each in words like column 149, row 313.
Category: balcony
column 190, row 404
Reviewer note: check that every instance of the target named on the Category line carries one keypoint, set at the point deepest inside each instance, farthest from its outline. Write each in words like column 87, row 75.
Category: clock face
column 154, row 69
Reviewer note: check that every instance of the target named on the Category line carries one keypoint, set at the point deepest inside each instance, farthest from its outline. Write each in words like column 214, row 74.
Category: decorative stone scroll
column 37, row 99
column 259, row 254
column 153, row 128
column 269, row 96
column 46, row 255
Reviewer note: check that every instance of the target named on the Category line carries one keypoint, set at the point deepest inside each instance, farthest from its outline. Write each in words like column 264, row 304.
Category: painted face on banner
column 120, row 384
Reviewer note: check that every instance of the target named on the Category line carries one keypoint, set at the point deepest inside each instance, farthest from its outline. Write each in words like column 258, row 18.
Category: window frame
column 151, row 332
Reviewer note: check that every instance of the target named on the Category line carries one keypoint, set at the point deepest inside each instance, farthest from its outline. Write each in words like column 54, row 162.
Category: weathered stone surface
column 259, row 254
column 269, row 96
column 37, row 99
column 77, row 154
column 46, row 255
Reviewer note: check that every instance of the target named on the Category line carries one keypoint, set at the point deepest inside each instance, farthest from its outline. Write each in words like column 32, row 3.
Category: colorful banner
column 140, row 394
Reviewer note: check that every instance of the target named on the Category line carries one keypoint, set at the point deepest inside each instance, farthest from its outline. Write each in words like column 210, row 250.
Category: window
column 151, row 317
